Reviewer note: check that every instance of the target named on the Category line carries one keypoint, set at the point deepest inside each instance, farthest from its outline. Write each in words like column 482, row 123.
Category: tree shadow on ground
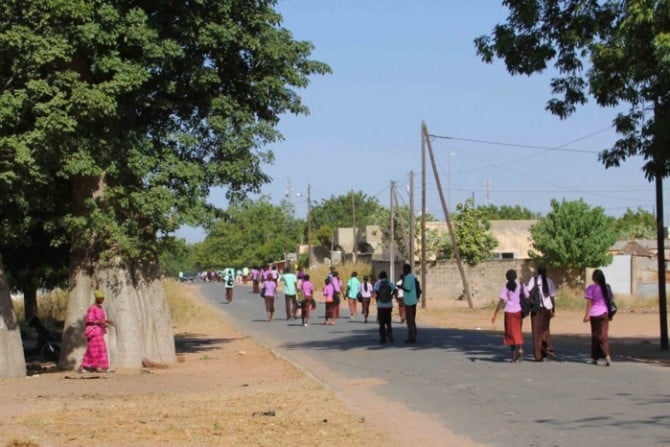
column 193, row 343
column 483, row 346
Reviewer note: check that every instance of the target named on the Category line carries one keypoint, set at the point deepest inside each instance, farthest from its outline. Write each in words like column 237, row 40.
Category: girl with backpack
column 510, row 297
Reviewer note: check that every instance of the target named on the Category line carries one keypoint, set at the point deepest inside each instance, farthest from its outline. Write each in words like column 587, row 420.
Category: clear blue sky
column 396, row 63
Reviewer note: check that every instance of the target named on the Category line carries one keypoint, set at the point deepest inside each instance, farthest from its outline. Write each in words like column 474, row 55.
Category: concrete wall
column 444, row 287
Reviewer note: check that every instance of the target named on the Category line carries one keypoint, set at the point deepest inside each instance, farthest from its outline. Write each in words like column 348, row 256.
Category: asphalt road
column 464, row 380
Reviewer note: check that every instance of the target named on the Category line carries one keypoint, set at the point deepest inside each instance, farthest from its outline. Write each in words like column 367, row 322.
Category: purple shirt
column 598, row 304
column 328, row 292
column 511, row 298
column 269, row 286
column 308, row 288
column 337, row 285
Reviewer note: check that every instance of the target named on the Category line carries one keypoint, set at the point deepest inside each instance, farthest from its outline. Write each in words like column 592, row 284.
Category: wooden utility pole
column 353, row 226
column 412, row 235
column 309, row 226
column 423, row 222
column 392, row 239
column 401, row 222
column 457, row 254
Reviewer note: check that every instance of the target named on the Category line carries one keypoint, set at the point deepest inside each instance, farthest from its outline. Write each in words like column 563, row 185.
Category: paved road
column 463, row 379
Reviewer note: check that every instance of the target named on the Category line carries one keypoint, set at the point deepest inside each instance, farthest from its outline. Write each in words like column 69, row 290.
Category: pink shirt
column 269, row 286
column 511, row 298
column 328, row 292
column 598, row 304
column 308, row 288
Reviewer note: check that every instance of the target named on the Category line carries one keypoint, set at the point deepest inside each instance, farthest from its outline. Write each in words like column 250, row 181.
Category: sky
column 397, row 64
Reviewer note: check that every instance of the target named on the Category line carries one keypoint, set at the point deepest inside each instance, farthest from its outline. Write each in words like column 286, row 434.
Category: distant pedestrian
column 308, row 303
column 510, row 300
column 366, row 295
column 353, row 292
column 400, row 298
column 384, row 290
column 228, row 278
column 290, row 281
column 411, row 295
column 256, row 279
column 540, row 320
column 329, row 300
column 268, row 291
column 337, row 294
column 596, row 313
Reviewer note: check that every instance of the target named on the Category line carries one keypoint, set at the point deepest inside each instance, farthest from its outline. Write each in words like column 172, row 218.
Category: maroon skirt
column 513, row 334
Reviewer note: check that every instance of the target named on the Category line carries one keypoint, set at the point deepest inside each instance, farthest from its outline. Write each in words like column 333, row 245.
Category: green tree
column 338, row 211
column 639, row 224
column 617, row 51
column 176, row 255
column 253, row 233
column 130, row 112
column 508, row 212
column 473, row 236
column 573, row 235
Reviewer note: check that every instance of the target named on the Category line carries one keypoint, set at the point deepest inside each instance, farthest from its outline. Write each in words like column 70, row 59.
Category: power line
column 523, row 146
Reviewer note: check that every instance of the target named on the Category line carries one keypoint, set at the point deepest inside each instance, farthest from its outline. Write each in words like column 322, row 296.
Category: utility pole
column 423, row 221
column 454, row 242
column 309, row 226
column 353, row 226
column 392, row 239
column 412, row 235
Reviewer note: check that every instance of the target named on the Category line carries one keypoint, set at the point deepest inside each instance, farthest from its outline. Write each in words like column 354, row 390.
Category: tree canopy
column 616, row 51
column 573, row 235
column 157, row 102
column 507, row 212
column 253, row 233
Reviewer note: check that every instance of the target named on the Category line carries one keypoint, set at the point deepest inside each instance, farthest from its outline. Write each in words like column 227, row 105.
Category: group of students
column 299, row 293
column 596, row 313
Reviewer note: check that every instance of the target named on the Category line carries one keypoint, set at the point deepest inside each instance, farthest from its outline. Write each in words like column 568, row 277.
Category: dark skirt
column 513, row 335
column 542, row 345
column 269, row 303
column 600, row 344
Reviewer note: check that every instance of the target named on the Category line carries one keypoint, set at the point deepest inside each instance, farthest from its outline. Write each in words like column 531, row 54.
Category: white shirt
column 546, row 300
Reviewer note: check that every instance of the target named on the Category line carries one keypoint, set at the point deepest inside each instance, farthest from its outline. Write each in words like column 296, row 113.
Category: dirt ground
column 231, row 391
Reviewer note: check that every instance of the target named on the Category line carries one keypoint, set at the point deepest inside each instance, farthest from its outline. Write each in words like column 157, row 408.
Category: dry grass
column 229, row 391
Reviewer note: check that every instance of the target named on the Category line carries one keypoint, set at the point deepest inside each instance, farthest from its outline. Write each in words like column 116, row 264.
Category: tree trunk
column 30, row 303
column 12, row 360
column 137, row 303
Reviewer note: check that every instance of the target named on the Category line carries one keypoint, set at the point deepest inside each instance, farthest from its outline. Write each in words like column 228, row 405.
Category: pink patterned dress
column 96, row 352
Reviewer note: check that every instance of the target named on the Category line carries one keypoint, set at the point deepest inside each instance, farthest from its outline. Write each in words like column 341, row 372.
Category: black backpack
column 385, row 293
column 535, row 298
column 418, row 288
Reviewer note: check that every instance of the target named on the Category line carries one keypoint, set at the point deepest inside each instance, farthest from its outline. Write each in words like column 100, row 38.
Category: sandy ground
column 231, row 391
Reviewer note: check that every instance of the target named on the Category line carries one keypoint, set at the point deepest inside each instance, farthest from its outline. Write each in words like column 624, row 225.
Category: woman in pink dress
column 96, row 322
column 596, row 313
column 308, row 301
column 510, row 297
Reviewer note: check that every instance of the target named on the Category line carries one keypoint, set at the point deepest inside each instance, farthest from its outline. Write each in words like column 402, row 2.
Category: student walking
column 328, row 298
column 366, row 297
column 540, row 320
column 510, row 300
column 308, row 303
column 353, row 290
column 411, row 295
column 596, row 314
column 268, row 291
column 290, row 280
column 384, row 290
